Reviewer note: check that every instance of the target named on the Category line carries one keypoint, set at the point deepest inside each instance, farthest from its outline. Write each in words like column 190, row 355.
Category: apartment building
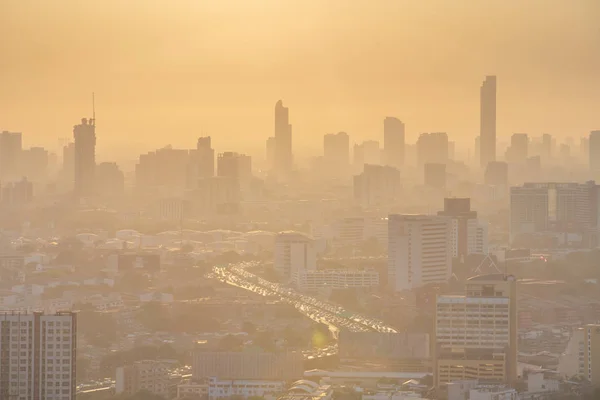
column 38, row 356
column 148, row 375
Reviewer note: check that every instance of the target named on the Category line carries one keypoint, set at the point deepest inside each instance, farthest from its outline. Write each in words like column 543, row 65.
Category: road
column 333, row 315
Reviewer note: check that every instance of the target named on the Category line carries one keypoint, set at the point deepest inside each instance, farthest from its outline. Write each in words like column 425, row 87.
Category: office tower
column 584, row 148
column 451, row 150
column 85, row 157
column 271, row 151
column 594, row 151
column 68, row 160
column 476, row 334
column 165, row 168
column 546, row 150
column 294, row 252
column 11, row 146
column 234, row 165
column 283, row 139
column 496, row 173
column 487, row 131
column 215, row 196
column 148, row 375
column 432, row 148
column 476, row 149
column 434, row 175
column 555, row 208
column 287, row 366
column 367, row 152
column 34, row 163
column 202, row 160
column 469, row 235
column 419, row 251
column 519, row 148
column 336, row 154
column 110, row 180
column 377, row 186
column 17, row 193
column 393, row 142
column 38, row 356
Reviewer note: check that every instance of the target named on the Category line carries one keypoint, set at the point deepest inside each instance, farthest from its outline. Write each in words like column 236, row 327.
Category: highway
column 336, row 317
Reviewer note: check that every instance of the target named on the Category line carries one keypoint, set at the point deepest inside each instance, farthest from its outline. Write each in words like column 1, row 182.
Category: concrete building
column 34, row 163
column 284, row 159
column 314, row 280
column 294, row 253
column 251, row 365
column 419, row 251
column 148, row 375
column 496, row 173
column 110, row 180
column 84, row 136
column 244, row 388
column 163, row 169
column 16, row 194
column 518, row 150
column 393, row 142
column 38, row 356
column 432, row 148
column 234, row 165
column 336, row 154
column 215, row 196
column 367, row 152
column 434, row 175
column 556, row 207
column 594, row 152
column 469, row 234
column 476, row 334
column 377, row 186
column 487, row 119
column 11, row 146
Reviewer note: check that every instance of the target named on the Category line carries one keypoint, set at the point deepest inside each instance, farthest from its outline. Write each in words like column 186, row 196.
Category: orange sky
column 165, row 71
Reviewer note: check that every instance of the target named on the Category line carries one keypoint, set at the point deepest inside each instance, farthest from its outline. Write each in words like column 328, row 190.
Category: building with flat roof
column 38, row 354
column 148, row 375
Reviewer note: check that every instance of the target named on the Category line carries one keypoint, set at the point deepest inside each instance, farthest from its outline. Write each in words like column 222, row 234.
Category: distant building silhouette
column 271, row 151
column 34, row 163
column 283, row 139
column 393, row 142
column 432, row 148
column 11, row 146
column 110, row 180
column 496, row 173
column 17, row 193
column 85, row 157
column 487, row 150
column 519, row 148
column 377, row 186
column 435, row 175
column 367, row 152
column 234, row 165
column 594, row 151
column 336, row 154
column 163, row 168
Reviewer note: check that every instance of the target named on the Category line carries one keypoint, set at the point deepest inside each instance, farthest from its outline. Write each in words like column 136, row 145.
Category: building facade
column 38, row 356
column 148, row 375
column 419, row 251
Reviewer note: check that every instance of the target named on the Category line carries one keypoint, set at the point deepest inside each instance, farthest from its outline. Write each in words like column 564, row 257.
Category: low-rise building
column 225, row 389
column 147, row 375
column 312, row 280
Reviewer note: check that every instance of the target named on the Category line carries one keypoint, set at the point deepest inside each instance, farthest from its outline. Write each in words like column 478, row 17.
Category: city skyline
column 336, row 87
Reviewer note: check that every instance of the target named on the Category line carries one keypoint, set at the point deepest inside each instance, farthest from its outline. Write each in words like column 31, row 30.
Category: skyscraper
column 594, row 150
column 432, row 148
column 519, row 148
column 201, row 162
column 11, row 146
column 85, row 157
column 393, row 142
column 469, row 234
column 37, row 354
column 234, row 165
column 419, row 251
column 336, row 153
column 283, row 139
column 487, row 151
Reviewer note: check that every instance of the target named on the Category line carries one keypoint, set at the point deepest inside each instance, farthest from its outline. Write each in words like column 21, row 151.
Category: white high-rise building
column 37, row 356
column 419, row 250
column 294, row 252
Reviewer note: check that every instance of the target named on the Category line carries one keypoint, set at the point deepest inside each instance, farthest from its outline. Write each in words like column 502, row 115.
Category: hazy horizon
column 217, row 68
